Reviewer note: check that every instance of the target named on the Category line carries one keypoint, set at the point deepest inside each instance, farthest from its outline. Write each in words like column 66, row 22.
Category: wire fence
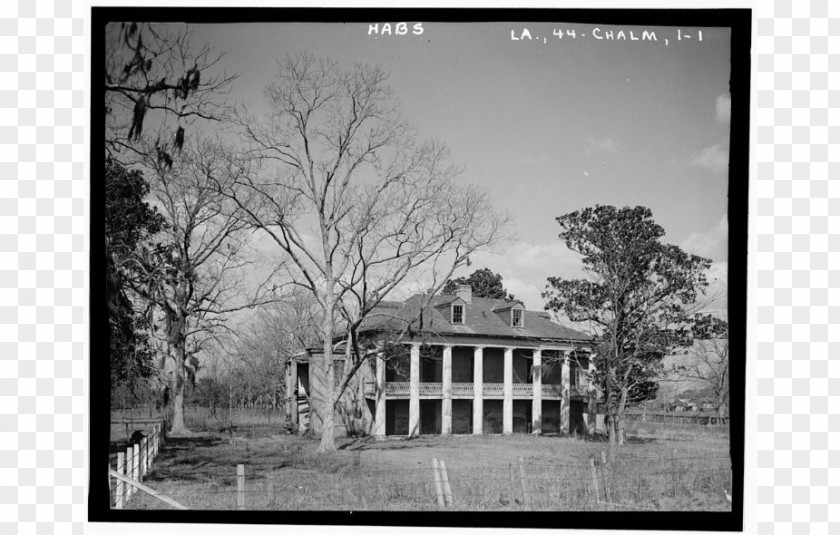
column 629, row 482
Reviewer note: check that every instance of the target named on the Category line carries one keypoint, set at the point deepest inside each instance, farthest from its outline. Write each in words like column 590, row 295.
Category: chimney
column 464, row 292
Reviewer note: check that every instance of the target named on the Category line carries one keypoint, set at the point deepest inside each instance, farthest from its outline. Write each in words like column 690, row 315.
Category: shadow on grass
column 203, row 441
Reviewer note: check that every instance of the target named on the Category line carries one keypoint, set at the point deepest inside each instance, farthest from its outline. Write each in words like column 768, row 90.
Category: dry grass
column 284, row 472
column 676, row 431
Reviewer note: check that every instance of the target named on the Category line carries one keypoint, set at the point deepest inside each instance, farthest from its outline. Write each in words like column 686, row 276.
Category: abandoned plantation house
column 462, row 365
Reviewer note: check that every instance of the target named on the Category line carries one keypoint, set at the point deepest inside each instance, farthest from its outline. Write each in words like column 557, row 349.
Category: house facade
column 461, row 365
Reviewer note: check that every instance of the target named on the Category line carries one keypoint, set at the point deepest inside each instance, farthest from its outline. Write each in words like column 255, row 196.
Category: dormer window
column 516, row 318
column 457, row 314
column 512, row 313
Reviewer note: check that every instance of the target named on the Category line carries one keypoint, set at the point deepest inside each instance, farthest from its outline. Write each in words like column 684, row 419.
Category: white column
column 379, row 418
column 294, row 377
column 414, row 392
column 446, row 404
column 564, row 395
column 507, row 407
column 290, row 389
column 478, row 395
column 536, row 408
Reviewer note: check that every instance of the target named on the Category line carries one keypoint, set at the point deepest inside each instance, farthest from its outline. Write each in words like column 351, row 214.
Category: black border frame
column 740, row 23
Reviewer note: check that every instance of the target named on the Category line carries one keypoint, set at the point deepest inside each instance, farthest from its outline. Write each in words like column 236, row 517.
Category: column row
column 478, row 399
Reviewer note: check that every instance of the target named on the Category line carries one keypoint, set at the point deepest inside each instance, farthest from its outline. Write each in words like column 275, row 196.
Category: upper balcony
column 400, row 390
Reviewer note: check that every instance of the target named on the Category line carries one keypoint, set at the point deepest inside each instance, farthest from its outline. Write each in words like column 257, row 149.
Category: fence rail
column 681, row 418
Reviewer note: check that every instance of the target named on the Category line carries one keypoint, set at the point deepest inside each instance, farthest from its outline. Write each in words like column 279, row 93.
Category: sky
column 547, row 125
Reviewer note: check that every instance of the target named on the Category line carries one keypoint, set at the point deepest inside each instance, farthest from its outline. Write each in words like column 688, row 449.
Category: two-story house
column 470, row 366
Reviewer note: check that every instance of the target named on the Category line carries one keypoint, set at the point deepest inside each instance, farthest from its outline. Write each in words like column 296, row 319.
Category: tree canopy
column 637, row 298
column 129, row 220
column 484, row 283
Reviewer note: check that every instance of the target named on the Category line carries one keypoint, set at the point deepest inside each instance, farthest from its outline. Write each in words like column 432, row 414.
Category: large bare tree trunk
column 621, row 435
column 328, row 407
column 609, row 415
column 177, row 342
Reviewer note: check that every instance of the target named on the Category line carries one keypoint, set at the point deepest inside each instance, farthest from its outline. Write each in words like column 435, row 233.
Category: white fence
column 134, row 464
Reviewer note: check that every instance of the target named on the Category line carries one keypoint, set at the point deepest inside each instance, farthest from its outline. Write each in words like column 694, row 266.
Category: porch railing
column 468, row 389
column 463, row 389
column 431, row 389
column 494, row 389
column 523, row 389
column 552, row 390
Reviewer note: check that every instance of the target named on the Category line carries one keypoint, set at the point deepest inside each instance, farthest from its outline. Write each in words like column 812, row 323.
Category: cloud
column 714, row 158
column 526, row 266
column 712, row 243
column 595, row 145
column 527, row 293
column 723, row 108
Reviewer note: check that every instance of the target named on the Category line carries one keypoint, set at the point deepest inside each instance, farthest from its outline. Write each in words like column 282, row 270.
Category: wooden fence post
column 522, row 481
column 438, row 483
column 127, row 473
column 129, row 469
column 594, row 479
column 240, row 487
column 674, row 468
column 135, row 465
column 513, row 491
column 119, row 500
column 144, row 456
column 444, row 479
column 605, row 473
column 158, row 438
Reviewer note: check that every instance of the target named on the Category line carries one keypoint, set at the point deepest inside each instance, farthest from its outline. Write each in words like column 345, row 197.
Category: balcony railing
column 494, row 389
column 523, row 389
column 398, row 388
column 552, row 390
column 468, row 389
column 463, row 389
column 431, row 389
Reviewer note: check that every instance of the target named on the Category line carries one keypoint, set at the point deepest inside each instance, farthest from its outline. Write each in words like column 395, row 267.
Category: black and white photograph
column 445, row 262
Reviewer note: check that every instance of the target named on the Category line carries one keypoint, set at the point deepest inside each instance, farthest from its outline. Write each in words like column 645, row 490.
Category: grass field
column 284, row 472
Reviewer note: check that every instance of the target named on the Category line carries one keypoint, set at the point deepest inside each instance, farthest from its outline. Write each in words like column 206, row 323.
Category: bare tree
column 278, row 332
column 707, row 363
column 353, row 200
column 158, row 85
column 193, row 274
